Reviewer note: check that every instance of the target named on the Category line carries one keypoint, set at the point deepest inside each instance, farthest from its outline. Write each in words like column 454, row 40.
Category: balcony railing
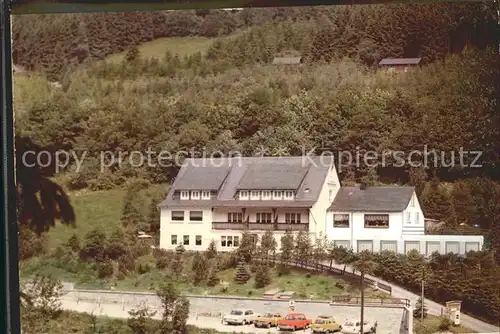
column 252, row 226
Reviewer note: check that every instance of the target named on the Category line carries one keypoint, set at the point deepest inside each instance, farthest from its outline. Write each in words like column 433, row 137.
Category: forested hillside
column 52, row 43
column 232, row 98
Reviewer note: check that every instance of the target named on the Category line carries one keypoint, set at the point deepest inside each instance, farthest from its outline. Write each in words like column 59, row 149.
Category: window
column 266, row 195
column 412, row 201
column 229, row 241
column 186, row 240
column 408, row 217
column 277, row 194
column 195, row 194
column 341, row 220
column 264, row 217
column 173, row 239
column 330, row 195
column 196, row 216
column 184, row 194
column 178, row 215
column 205, row 195
column 377, row 221
column 417, row 218
column 288, row 195
column 293, row 218
column 254, row 194
column 244, row 194
column 248, row 312
column 235, row 217
column 197, row 240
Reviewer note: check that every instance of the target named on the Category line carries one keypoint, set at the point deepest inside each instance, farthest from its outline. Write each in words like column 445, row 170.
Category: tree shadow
column 40, row 201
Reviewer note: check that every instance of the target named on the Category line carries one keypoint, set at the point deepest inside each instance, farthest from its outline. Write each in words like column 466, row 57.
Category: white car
column 354, row 327
column 240, row 317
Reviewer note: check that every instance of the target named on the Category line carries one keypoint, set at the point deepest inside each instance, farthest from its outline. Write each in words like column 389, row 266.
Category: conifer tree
column 417, row 179
column 153, row 220
column 302, row 251
column 178, row 263
column 242, row 275
column 417, row 312
column 211, row 252
column 435, row 201
column 199, row 268
column 287, row 248
column 262, row 276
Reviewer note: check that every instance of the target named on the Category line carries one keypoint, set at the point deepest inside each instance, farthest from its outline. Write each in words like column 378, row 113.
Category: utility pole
column 362, row 302
column 422, row 303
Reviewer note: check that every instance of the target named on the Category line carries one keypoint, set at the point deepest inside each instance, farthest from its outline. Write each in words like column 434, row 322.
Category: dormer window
column 288, row 195
column 277, row 195
column 184, row 194
column 254, row 195
column 244, row 194
column 205, row 195
column 266, row 195
column 195, row 194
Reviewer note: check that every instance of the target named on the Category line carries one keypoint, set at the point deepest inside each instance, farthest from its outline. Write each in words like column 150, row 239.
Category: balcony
column 252, row 226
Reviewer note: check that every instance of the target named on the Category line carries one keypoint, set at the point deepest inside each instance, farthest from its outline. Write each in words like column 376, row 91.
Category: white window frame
column 205, row 194
column 184, row 194
column 412, row 201
column 196, row 218
column 177, row 220
column 229, row 242
column 262, row 217
column 266, row 195
column 330, row 195
column 198, row 238
column 236, row 241
column 408, row 217
column 234, row 217
column 172, row 239
column 244, row 194
column 195, row 194
column 254, row 195
column 277, row 195
column 417, row 217
column 288, row 195
column 184, row 240
column 341, row 217
column 293, row 218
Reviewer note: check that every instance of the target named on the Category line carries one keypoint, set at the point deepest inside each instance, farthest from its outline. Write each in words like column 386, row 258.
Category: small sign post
column 453, row 311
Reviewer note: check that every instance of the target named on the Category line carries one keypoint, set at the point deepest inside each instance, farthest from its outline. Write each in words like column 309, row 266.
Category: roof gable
column 372, row 199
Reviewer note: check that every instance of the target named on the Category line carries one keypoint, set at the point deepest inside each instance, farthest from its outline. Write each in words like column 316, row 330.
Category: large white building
column 217, row 199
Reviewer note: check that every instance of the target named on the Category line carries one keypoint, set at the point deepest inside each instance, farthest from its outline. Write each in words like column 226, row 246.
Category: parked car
column 294, row 321
column 354, row 327
column 240, row 317
column 268, row 320
column 325, row 324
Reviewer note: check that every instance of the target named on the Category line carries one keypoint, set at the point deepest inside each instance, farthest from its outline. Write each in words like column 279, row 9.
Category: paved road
column 118, row 304
column 432, row 307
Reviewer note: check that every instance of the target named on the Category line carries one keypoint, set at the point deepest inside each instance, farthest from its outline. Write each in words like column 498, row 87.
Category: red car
column 294, row 321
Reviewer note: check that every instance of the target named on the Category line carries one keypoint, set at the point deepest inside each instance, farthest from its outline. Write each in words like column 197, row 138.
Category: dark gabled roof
column 287, row 60
column 199, row 177
column 400, row 61
column 263, row 176
column 305, row 175
column 372, row 199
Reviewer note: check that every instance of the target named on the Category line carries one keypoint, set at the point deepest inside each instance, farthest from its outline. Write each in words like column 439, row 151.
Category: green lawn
column 431, row 325
column 98, row 209
column 182, row 46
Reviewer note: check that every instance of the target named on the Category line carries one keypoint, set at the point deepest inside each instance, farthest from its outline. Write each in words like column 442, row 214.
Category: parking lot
column 389, row 319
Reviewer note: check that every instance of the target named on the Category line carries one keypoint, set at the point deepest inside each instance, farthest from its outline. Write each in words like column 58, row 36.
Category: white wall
column 318, row 217
column 186, row 227
column 411, row 226
column 357, row 231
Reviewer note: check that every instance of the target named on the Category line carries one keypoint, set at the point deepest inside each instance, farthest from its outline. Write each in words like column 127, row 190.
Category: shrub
column 104, row 269
column 143, row 268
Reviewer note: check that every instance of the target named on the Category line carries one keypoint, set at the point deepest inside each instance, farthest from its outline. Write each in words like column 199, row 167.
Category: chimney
column 363, row 186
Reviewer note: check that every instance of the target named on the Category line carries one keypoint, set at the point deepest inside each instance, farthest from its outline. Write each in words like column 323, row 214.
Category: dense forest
column 231, row 97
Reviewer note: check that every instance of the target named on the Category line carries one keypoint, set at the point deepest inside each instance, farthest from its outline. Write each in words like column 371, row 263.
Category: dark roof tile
column 372, row 199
